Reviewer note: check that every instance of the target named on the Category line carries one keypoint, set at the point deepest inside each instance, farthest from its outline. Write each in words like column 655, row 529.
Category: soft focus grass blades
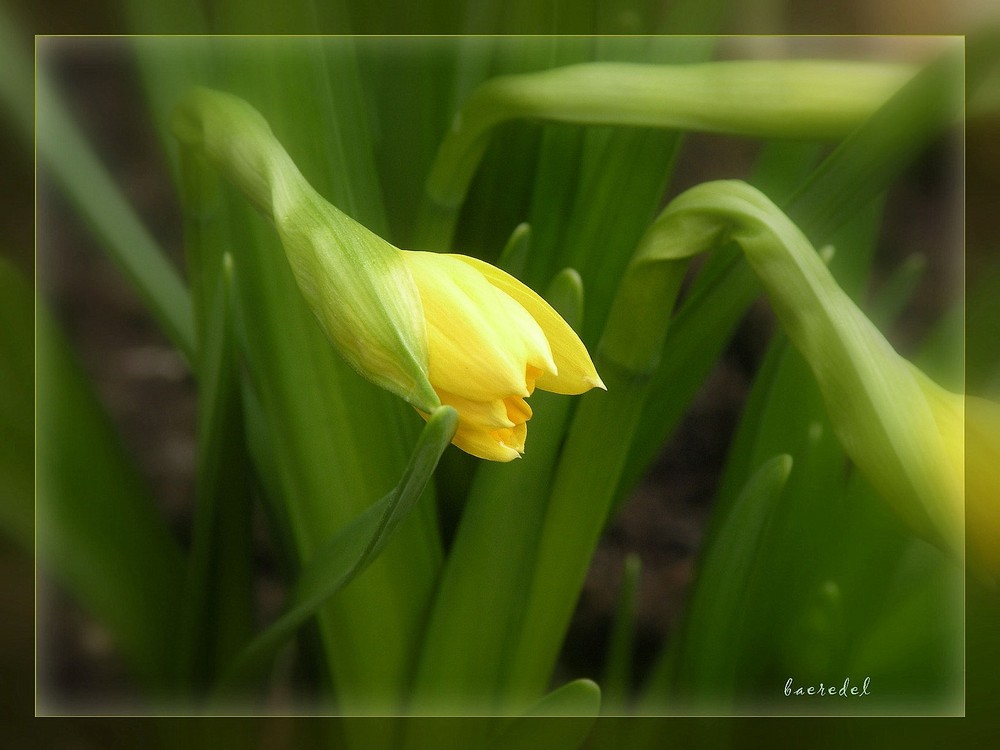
column 618, row 665
column 471, row 626
column 712, row 648
column 71, row 161
column 99, row 532
column 552, row 722
column 351, row 550
column 218, row 615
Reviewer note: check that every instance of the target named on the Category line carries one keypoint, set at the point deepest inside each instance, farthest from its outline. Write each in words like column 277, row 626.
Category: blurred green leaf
column 218, row 607
column 70, row 160
column 351, row 550
column 785, row 401
column 897, row 291
column 705, row 662
column 470, row 628
column 618, row 662
column 881, row 147
column 764, row 99
column 99, row 533
column 556, row 721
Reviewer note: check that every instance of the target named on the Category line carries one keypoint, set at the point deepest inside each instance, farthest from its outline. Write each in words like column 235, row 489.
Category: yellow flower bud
column 491, row 341
column 431, row 328
column 970, row 432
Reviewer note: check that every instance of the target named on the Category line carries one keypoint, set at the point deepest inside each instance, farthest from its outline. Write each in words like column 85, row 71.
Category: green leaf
column 711, row 643
column 871, row 156
column 351, row 550
column 618, row 665
column 561, row 720
column 70, row 160
column 765, row 99
column 470, row 626
column 99, row 533
column 785, row 401
column 515, row 253
column 889, row 417
column 218, row 607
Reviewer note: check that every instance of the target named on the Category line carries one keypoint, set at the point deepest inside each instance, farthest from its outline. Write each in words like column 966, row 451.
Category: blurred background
column 146, row 387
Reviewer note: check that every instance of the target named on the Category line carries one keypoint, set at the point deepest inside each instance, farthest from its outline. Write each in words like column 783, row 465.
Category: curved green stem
column 765, row 99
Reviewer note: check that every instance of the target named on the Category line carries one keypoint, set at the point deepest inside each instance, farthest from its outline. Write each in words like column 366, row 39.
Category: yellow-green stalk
column 809, row 99
column 903, row 431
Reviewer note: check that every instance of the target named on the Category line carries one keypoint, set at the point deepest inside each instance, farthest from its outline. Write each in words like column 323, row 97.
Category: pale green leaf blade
column 69, row 159
column 708, row 656
column 352, row 549
column 99, row 533
column 561, row 720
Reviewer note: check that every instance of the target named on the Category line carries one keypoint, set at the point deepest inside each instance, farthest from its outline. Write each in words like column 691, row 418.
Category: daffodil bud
column 491, row 342
column 970, row 431
column 431, row 328
column 354, row 281
column 902, row 430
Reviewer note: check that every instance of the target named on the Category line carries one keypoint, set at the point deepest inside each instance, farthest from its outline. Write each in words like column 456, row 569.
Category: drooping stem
column 763, row 99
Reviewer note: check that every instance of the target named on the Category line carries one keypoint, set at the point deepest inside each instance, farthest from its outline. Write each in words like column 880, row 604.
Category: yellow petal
column 517, row 410
column 513, row 437
column 575, row 371
column 475, row 348
column 485, row 415
column 484, row 445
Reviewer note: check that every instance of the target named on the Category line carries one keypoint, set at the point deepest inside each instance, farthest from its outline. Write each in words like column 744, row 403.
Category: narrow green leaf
column 99, row 533
column 589, row 466
column 560, row 721
column 351, row 550
column 471, row 625
column 709, row 654
column 872, row 155
column 70, row 160
column 514, row 255
column 217, row 614
column 785, row 401
column 409, row 88
column 897, row 291
column 618, row 664
column 169, row 65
